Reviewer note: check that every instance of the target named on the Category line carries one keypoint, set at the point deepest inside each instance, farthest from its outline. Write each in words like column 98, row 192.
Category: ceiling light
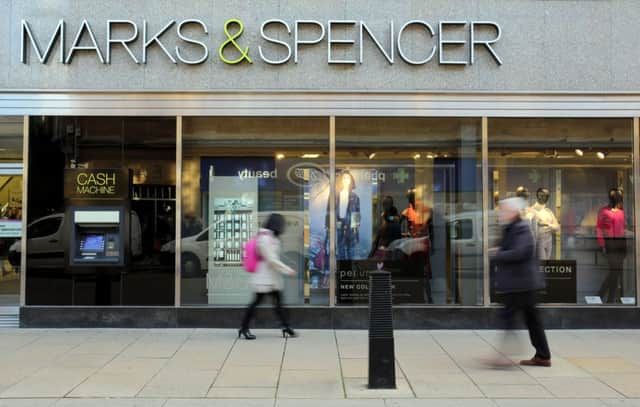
column 372, row 156
column 308, row 155
column 601, row 155
column 430, row 156
column 279, row 156
column 417, row 156
column 579, row 152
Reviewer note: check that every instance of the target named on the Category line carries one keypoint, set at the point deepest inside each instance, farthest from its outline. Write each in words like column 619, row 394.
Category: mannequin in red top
column 610, row 230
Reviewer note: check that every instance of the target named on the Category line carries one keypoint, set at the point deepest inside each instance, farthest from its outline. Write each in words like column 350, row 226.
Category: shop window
column 101, row 210
column 11, row 172
column 576, row 177
column 408, row 199
column 236, row 171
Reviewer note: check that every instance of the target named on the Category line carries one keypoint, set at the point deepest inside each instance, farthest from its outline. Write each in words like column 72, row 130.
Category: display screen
column 92, row 243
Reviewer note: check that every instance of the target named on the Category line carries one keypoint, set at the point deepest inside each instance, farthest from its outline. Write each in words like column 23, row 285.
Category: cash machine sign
column 94, row 183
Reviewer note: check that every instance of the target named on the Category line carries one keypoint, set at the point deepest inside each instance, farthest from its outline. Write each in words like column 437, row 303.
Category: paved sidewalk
column 202, row 367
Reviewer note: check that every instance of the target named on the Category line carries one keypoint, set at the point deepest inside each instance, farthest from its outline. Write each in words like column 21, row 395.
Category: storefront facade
column 142, row 144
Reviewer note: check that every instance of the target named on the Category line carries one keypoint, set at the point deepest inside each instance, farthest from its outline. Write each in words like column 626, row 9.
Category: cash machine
column 98, row 231
column 97, row 236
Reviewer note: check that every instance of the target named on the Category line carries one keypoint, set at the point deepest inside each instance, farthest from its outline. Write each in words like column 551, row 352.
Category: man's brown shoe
column 536, row 361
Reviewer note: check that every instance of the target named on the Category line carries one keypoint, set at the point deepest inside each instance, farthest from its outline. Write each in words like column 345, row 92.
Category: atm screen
column 92, row 243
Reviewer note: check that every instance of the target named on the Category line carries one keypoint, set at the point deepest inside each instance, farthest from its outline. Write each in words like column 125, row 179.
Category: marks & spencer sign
column 279, row 42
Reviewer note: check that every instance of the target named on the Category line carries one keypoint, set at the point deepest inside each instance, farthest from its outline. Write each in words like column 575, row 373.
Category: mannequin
column 419, row 226
column 409, row 215
column 610, row 230
column 528, row 214
column 389, row 215
column 545, row 222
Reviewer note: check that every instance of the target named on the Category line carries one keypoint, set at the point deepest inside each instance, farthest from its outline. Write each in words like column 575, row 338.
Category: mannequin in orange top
column 418, row 223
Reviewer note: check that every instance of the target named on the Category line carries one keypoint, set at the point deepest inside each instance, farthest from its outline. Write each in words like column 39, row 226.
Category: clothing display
column 347, row 224
column 610, row 230
column 545, row 225
column 611, row 224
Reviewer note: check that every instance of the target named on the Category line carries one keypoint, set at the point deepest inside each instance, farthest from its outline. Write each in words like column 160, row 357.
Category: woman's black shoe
column 246, row 333
column 288, row 332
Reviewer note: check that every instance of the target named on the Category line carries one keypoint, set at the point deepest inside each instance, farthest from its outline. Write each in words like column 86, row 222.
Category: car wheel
column 190, row 265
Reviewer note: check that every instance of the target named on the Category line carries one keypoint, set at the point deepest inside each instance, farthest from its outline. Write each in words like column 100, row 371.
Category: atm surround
column 97, row 237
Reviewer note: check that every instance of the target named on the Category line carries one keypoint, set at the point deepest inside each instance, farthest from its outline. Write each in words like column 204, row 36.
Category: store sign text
column 443, row 39
column 99, row 183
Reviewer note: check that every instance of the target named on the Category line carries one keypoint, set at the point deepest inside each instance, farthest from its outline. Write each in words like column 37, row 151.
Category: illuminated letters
column 122, row 42
column 296, row 36
column 205, row 54
column 331, row 41
column 275, row 41
column 76, row 43
column 26, row 31
column 99, row 183
column 155, row 38
column 280, row 41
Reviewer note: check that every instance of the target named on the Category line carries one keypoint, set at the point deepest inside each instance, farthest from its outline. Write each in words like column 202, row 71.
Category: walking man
column 518, row 278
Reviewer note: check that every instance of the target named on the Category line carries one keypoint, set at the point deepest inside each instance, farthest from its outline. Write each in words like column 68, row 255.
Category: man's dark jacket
column 516, row 261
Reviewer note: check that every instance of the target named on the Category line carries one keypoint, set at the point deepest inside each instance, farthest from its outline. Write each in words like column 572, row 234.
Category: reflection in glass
column 117, row 165
column 576, row 176
column 11, row 171
column 416, row 186
column 237, row 171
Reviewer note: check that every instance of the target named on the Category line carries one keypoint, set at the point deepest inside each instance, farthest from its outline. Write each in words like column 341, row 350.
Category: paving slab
column 219, row 403
column 605, row 365
column 179, row 382
column 332, row 403
column 247, row 376
column 354, row 368
column 126, row 378
column 242, row 392
column 309, row 384
column 53, row 382
column 358, row 389
column 626, row 384
column 440, row 403
column 514, row 391
column 31, row 402
column 109, row 402
column 534, row 402
column 587, row 387
column 622, row 402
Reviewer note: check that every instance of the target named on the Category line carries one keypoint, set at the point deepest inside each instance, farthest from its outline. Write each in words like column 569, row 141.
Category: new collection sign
column 279, row 43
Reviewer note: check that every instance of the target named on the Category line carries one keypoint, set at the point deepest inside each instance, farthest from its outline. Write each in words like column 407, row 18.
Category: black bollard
column 382, row 369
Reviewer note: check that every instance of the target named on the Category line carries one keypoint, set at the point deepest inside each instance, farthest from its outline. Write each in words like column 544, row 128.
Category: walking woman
column 267, row 280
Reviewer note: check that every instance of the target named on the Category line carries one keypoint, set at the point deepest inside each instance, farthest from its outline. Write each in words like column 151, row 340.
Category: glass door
column 11, row 170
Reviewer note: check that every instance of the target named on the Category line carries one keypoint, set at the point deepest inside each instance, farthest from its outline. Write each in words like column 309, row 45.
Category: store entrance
column 11, row 170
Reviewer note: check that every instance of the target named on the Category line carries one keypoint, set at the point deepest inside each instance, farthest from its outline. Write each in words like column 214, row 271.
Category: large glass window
column 235, row 172
column 101, row 210
column 576, row 175
column 408, row 199
column 10, row 208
